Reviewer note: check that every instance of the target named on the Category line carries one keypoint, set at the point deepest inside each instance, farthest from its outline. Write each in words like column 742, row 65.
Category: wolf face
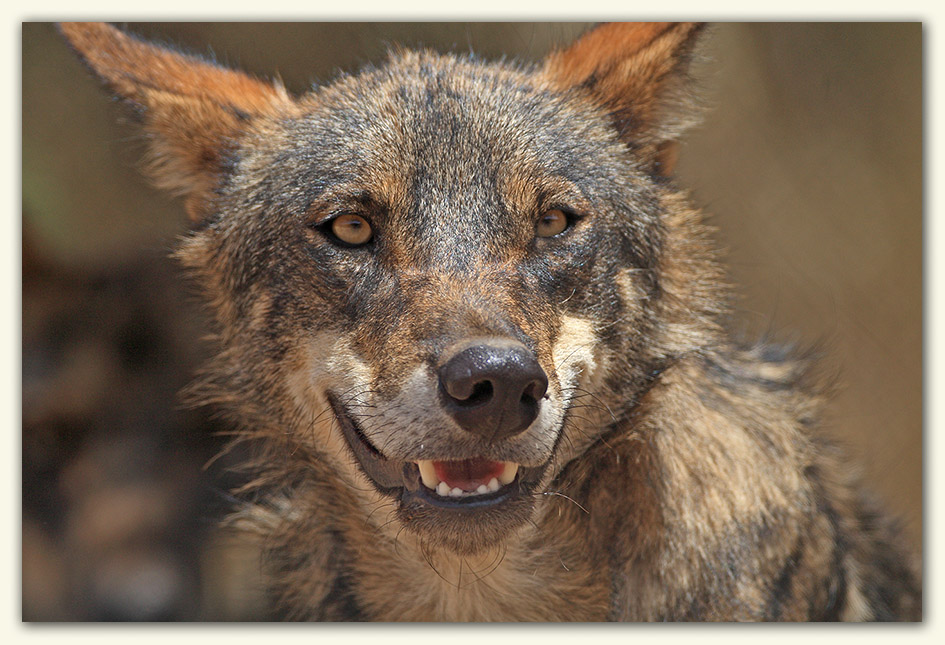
column 459, row 335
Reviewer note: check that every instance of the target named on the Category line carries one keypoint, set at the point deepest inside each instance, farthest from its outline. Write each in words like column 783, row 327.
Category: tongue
column 468, row 474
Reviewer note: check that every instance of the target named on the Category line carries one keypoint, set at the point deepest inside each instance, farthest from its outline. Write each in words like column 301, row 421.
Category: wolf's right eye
column 351, row 230
column 552, row 222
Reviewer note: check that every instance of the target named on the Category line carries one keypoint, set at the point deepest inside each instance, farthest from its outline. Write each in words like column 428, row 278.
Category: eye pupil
column 552, row 222
column 352, row 229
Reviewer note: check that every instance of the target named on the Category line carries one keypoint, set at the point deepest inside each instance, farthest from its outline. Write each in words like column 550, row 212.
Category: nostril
column 529, row 396
column 466, row 390
column 482, row 393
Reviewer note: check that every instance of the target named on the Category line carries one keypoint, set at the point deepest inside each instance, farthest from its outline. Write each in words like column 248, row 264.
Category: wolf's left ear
column 194, row 111
column 638, row 72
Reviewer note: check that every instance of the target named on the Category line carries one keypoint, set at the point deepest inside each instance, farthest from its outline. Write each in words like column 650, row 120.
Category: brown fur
column 669, row 475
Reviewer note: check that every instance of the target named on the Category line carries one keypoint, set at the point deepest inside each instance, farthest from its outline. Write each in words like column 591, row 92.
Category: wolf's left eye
column 353, row 230
column 552, row 222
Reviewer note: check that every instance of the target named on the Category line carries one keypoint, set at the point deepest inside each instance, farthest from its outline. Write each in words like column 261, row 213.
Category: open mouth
column 466, row 477
column 453, row 483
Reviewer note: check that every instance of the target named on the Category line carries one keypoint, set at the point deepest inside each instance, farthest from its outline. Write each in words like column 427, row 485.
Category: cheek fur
column 575, row 355
column 326, row 362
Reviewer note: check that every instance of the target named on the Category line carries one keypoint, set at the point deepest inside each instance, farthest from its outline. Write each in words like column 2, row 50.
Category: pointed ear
column 193, row 111
column 638, row 73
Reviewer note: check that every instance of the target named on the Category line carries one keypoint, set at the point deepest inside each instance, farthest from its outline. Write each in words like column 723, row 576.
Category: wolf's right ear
column 637, row 72
column 193, row 111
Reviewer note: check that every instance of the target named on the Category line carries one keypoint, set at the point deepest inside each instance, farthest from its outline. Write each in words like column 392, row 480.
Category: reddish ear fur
column 194, row 109
column 636, row 71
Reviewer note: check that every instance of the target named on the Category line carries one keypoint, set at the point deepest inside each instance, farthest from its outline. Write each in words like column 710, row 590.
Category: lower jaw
column 467, row 527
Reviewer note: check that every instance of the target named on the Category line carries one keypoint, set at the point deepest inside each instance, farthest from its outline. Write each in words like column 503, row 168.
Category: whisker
column 570, row 499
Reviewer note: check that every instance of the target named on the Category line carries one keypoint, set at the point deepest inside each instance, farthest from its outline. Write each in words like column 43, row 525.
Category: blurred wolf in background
column 473, row 332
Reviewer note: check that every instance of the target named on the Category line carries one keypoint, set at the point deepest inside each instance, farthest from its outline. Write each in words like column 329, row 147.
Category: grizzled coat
column 352, row 242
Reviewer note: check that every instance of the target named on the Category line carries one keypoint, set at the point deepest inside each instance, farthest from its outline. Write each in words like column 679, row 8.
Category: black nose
column 493, row 388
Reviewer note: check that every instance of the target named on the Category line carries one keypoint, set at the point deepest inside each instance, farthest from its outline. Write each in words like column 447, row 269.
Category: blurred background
column 809, row 162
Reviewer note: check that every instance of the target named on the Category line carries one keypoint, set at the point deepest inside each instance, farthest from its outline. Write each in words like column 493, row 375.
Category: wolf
column 475, row 336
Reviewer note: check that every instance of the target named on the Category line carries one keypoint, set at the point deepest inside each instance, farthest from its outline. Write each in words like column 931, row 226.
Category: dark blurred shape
column 115, row 504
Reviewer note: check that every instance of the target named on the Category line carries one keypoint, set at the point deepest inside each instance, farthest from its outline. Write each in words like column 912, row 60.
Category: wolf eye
column 552, row 222
column 353, row 230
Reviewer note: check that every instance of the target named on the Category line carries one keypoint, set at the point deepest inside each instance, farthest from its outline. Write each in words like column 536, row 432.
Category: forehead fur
column 458, row 115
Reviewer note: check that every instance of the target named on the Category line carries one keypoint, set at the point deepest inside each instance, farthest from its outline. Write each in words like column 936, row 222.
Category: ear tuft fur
column 638, row 72
column 194, row 110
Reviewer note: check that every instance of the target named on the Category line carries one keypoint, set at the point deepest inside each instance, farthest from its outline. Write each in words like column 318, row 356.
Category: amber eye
column 551, row 223
column 351, row 229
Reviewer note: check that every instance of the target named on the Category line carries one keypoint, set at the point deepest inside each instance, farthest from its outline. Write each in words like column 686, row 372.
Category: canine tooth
column 428, row 474
column 493, row 485
column 456, row 492
column 482, row 489
column 443, row 489
column 508, row 473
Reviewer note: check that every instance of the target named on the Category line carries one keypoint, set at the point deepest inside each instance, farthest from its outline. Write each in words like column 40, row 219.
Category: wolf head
column 439, row 281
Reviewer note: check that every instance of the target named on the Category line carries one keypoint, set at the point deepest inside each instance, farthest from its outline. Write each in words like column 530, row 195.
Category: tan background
column 809, row 160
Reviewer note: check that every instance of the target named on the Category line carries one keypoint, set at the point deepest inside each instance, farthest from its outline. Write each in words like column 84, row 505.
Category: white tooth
column 508, row 473
column 443, row 490
column 428, row 474
column 482, row 490
column 493, row 485
column 456, row 492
